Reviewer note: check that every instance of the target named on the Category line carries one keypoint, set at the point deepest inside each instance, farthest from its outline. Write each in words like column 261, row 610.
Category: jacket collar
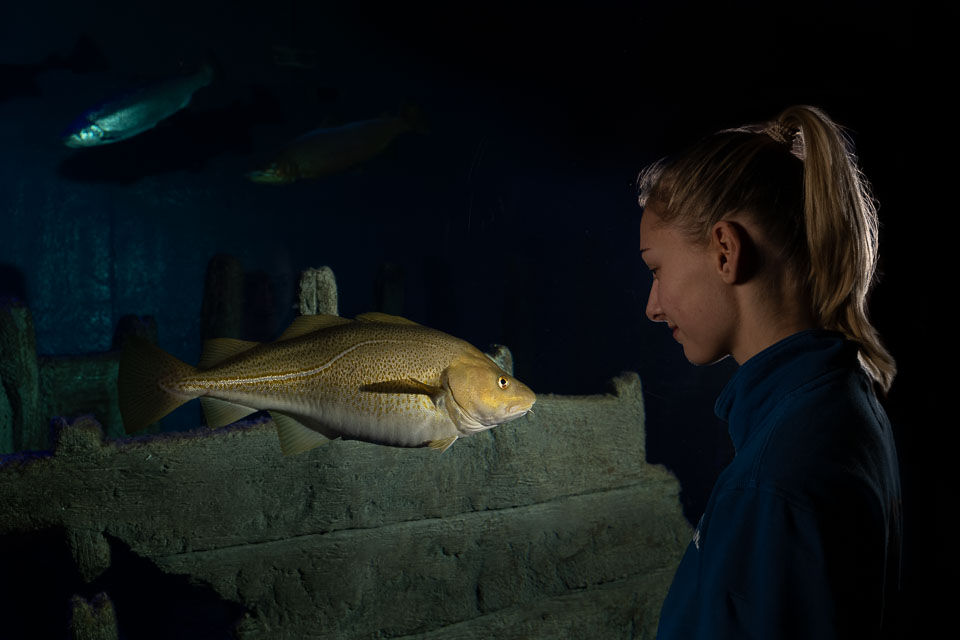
column 761, row 382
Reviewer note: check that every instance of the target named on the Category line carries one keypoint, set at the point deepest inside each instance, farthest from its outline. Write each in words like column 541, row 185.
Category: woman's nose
column 654, row 312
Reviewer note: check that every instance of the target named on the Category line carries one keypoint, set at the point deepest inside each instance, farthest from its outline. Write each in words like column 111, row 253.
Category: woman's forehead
column 651, row 226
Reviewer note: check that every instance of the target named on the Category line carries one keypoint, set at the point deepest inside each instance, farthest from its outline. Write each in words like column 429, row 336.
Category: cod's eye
column 503, row 382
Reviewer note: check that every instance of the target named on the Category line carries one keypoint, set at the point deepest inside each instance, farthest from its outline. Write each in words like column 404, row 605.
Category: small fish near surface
column 330, row 150
column 378, row 378
column 136, row 111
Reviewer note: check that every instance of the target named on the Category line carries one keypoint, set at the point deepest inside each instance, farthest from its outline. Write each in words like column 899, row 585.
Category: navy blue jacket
column 801, row 536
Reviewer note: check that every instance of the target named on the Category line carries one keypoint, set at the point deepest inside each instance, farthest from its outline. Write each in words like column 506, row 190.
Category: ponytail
column 841, row 230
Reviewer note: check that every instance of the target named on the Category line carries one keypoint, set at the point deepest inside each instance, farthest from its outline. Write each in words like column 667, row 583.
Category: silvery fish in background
column 379, row 378
column 135, row 112
column 330, row 150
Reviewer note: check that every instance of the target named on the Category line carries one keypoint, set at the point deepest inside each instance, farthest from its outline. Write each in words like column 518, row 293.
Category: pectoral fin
column 405, row 386
column 294, row 437
column 442, row 444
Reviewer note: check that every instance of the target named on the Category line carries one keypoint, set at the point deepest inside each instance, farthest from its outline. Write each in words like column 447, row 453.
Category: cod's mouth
column 513, row 412
column 518, row 412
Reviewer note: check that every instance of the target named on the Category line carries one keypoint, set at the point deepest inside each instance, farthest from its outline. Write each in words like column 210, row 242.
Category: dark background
column 513, row 220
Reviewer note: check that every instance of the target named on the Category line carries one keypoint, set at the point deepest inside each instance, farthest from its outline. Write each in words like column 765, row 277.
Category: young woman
column 762, row 241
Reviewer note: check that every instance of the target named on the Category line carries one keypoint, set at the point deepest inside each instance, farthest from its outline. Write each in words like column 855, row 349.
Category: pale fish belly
column 411, row 424
column 400, row 420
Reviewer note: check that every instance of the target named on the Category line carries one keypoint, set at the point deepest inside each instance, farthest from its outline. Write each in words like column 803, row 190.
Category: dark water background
column 513, row 220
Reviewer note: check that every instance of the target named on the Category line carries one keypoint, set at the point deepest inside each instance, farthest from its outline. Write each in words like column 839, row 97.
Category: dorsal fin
column 302, row 325
column 218, row 350
column 376, row 316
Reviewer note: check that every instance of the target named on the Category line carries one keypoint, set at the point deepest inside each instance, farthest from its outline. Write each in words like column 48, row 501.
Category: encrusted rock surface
column 544, row 527
column 318, row 292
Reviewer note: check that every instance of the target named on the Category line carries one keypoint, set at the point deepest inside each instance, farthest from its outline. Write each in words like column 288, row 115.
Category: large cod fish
column 378, row 378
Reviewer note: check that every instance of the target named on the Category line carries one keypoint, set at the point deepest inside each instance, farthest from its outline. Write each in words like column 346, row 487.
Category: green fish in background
column 379, row 378
column 331, row 150
column 136, row 111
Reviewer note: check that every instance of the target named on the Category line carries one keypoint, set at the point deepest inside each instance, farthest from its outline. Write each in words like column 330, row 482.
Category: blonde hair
column 797, row 178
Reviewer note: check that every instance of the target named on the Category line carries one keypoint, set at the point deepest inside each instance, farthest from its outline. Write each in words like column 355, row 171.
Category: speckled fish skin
column 328, row 381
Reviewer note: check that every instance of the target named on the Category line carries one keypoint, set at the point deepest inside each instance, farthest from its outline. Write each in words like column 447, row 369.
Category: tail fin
column 142, row 400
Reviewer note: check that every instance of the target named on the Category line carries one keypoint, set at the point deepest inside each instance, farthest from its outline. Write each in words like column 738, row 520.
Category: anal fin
column 219, row 413
column 294, row 437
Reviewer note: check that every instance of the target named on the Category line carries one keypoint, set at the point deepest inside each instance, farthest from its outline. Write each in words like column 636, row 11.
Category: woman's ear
column 734, row 253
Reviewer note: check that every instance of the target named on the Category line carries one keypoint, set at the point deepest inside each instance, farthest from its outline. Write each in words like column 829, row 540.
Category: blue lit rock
column 19, row 377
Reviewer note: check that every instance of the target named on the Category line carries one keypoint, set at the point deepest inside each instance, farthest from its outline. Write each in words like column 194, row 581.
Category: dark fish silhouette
column 20, row 80
column 329, row 150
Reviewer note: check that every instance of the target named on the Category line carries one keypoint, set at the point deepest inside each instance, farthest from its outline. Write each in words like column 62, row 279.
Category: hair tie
column 781, row 133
